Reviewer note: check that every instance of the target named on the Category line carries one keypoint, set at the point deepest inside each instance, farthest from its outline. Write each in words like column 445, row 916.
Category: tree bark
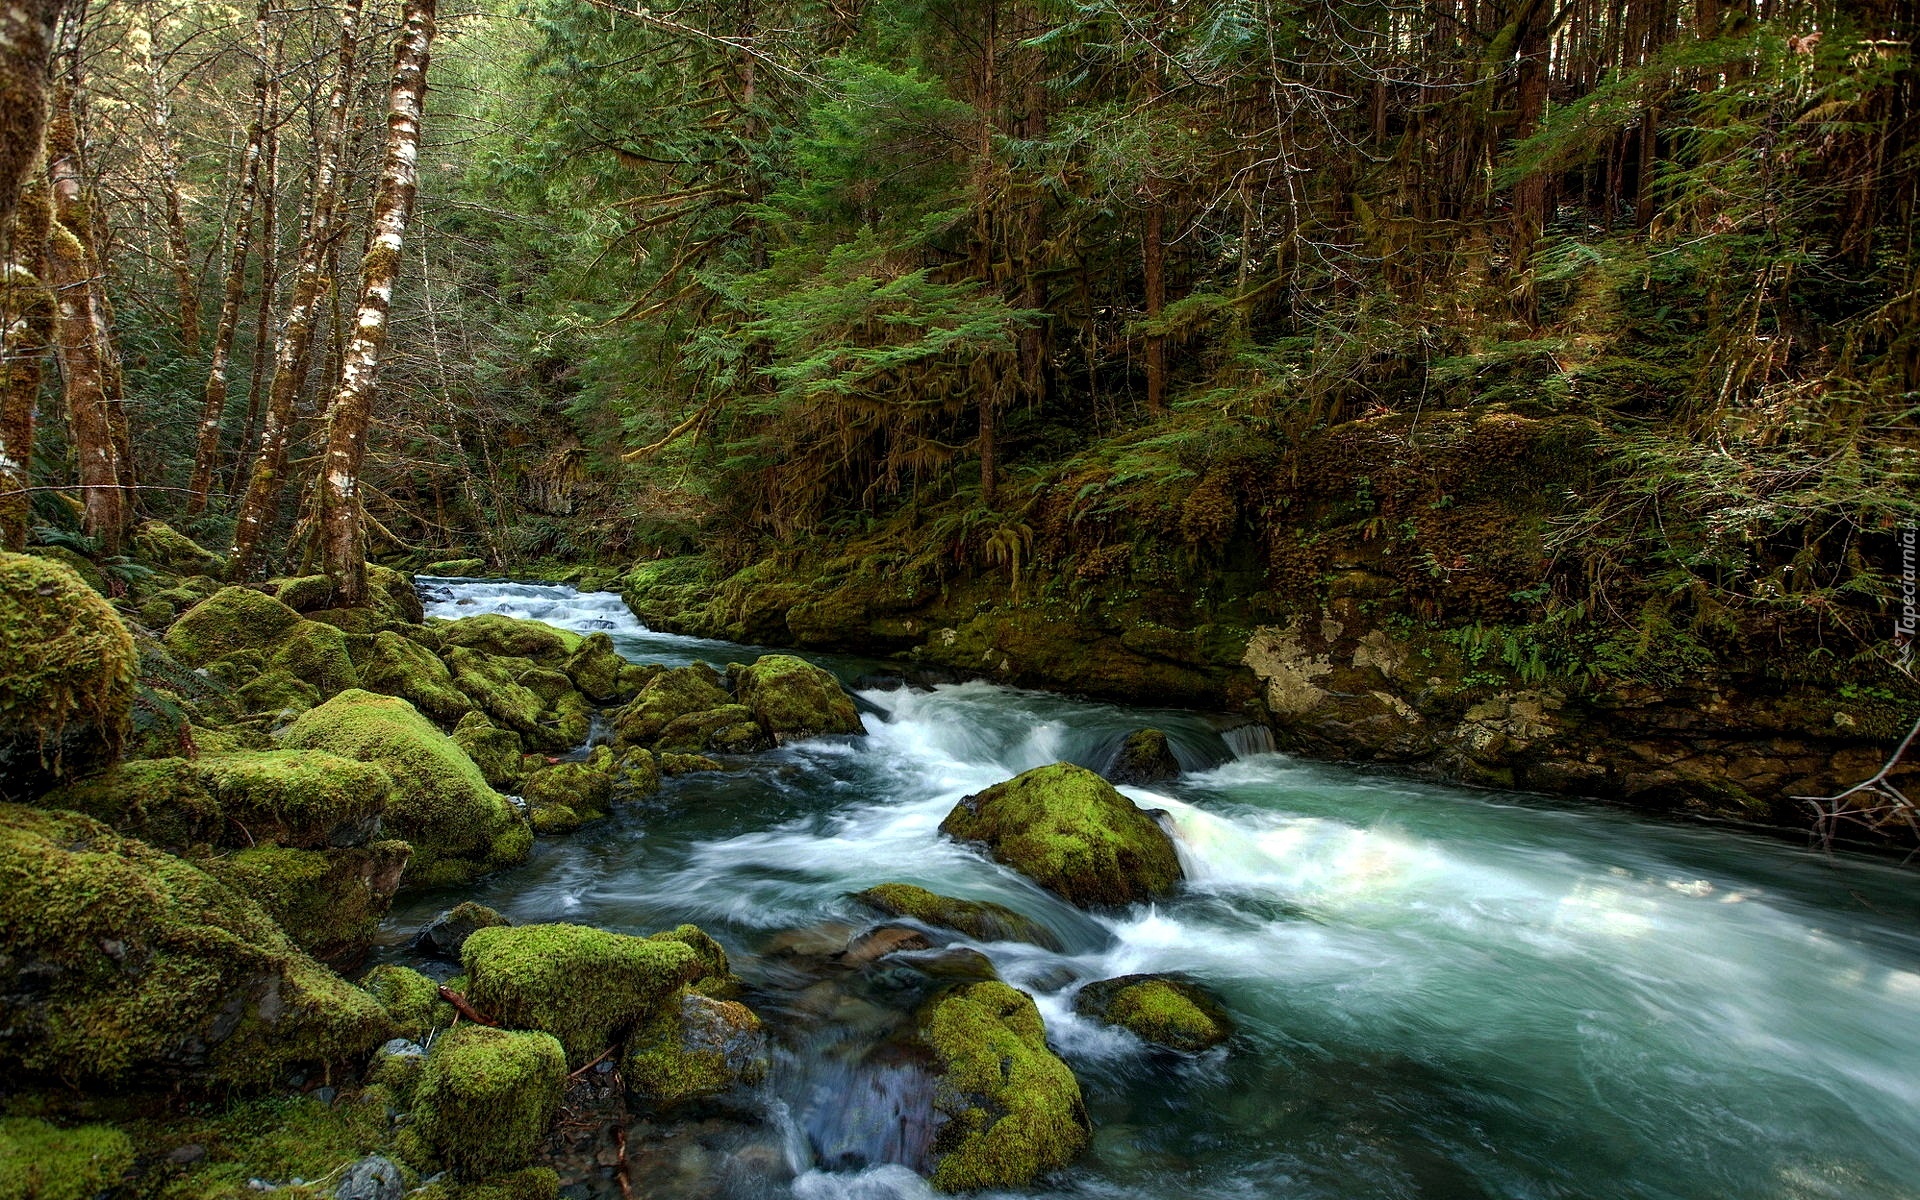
column 1153, row 255
column 26, row 332
column 26, row 47
column 160, row 112
column 338, row 502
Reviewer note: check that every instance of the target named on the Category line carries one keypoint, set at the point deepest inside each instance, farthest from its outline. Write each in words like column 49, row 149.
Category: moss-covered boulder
column 584, row 790
column 458, row 826
column 39, row 1161
column 981, row 920
column 728, row 729
column 1069, row 831
column 393, row 595
column 636, row 773
column 399, row 666
column 456, row 568
column 497, row 752
column 275, row 697
column 686, row 764
column 162, row 545
column 1007, row 1108
column 1144, row 756
column 667, row 697
column 793, row 699
column 486, row 1097
column 230, row 620
column 501, row 636
column 446, row 935
column 329, row 902
column 67, row 671
column 693, row 1048
column 304, row 593
column 528, row 1183
column 582, row 985
column 122, row 962
column 597, row 669
column 1161, row 1009
column 411, row 1000
column 493, row 690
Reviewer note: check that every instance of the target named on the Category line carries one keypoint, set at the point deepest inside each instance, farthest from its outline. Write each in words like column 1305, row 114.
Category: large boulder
column 1161, row 1009
column 667, row 697
column 491, row 686
column 398, row 666
column 981, row 920
column 597, row 669
column 230, row 620
column 67, row 672
column 120, row 962
column 161, row 544
column 39, row 1161
column 486, row 1098
column 583, row 985
column 793, row 699
column 1007, row 1109
column 501, row 636
column 329, row 902
column 1069, row 831
column 458, row 826
column 564, row 796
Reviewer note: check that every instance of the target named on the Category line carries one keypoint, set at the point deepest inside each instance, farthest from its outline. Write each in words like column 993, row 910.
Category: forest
column 761, row 598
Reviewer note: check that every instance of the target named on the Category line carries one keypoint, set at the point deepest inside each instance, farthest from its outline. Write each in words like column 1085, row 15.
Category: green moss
column 232, row 619
column 398, row 666
column 493, row 690
column 458, row 826
column 667, row 696
column 978, row 919
column 79, row 564
column 317, row 654
column 277, row 1140
column 502, row 636
column 552, row 819
column 695, row 1047
column 596, row 668
column 709, row 955
column 446, row 935
column 686, row 764
column 486, row 1097
column 497, row 752
column 329, row 902
column 280, row 695
column 1145, row 756
column 393, row 594
column 411, row 1000
column 792, row 699
column 143, row 965
column 636, row 773
column 39, row 1161
column 727, row 729
column 550, row 685
column 1160, row 1009
column 1068, row 830
column 1012, row 1109
column 580, row 984
column 303, row 593
column 161, row 544
column 456, row 568
column 569, row 722
column 533, row 1183
column 67, row 670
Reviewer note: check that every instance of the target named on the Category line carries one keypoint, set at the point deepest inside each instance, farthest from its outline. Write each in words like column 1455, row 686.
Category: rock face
column 1160, row 1009
column 458, row 826
column 1068, row 830
column 1006, row 1109
column 1145, row 756
column 793, row 699
column 122, row 962
column 67, row 668
column 486, row 1097
column 982, row 920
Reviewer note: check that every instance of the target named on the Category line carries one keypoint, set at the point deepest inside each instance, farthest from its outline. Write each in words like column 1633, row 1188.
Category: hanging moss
column 793, row 699
column 1160, row 1009
column 1068, row 830
column 67, row 670
column 1011, row 1109
column 398, row 666
column 486, row 1097
column 580, row 984
column 458, row 826
column 978, row 919
column 39, row 1161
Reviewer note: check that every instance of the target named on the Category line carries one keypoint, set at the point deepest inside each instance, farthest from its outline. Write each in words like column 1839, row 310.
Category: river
column 1440, row 992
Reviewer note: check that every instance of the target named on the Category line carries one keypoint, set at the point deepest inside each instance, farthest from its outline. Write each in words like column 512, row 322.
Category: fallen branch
column 620, row 1167
column 1829, row 811
column 596, row 1062
column 465, row 1009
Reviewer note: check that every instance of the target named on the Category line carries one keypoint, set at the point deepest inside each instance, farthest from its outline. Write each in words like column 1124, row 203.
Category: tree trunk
column 26, row 47
column 213, row 406
column 340, row 523
column 167, row 162
column 260, row 508
column 1153, row 257
column 26, row 332
column 269, row 282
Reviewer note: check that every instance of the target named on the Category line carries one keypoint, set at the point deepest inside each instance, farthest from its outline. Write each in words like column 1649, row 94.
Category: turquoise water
column 1440, row 992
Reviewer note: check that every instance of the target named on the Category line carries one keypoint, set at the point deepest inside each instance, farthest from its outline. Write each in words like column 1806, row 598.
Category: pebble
column 372, row 1178
column 325, row 1095
column 186, row 1155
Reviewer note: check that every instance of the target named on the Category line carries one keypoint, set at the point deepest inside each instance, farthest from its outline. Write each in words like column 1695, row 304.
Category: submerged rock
column 1161, row 1009
column 486, row 1097
column 979, row 919
column 446, row 935
column 1145, row 756
column 39, row 1161
column 793, row 699
column 1007, row 1109
column 1068, row 830
column 458, row 826
column 67, row 669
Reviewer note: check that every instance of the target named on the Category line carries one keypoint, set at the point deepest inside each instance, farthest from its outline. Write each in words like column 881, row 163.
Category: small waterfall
column 1248, row 740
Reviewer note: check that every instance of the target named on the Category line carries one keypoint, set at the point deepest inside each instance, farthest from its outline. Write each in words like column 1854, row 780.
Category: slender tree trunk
column 1153, row 255
column 293, row 353
column 341, row 526
column 26, row 332
column 269, row 282
column 167, row 160
column 213, row 406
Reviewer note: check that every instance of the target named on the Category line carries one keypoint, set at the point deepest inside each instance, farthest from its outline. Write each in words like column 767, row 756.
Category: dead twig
column 1829, row 811
column 465, row 1009
column 620, row 1166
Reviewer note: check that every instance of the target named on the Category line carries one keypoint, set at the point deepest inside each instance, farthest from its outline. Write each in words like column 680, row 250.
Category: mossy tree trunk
column 340, row 521
column 26, row 333
column 26, row 43
column 293, row 351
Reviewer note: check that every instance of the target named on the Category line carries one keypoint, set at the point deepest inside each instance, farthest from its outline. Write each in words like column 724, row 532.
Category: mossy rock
column 710, row 957
column 686, row 764
column 1145, row 756
column 569, row 722
column 39, row 1161
column 695, row 1048
column 230, row 620
column 277, row 695
column 582, row 985
column 1161, row 1009
column 550, row 685
column 597, row 669
column 636, row 773
column 79, row 564
column 398, row 666
column 501, row 636
column 456, row 568
column 411, row 1001
column 497, row 752
column 1069, row 831
column 301, row 798
column 667, row 697
column 318, row 654
column 584, row 788
column 446, row 935
column 530, row 1183
column 793, row 699
column 1008, row 1108
column 486, row 1098
column 981, row 920
column 393, row 595
column 459, row 827
column 274, row 1139
column 492, row 688
column 728, row 729
column 67, row 672
column 356, row 622
column 161, row 544
column 329, row 902
column 123, row 962
column 303, row 593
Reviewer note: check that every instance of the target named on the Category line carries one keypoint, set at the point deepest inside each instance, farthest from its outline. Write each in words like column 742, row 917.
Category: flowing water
column 1440, row 992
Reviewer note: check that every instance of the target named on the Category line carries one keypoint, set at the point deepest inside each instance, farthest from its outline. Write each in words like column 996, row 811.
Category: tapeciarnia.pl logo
column 1903, row 630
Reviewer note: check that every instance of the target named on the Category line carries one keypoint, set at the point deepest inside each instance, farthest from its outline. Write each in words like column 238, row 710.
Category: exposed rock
column 1161, row 1009
column 1068, row 830
column 698, row 1047
column 1009, row 1109
column 978, row 919
column 486, row 1097
column 372, row 1178
column 458, row 826
column 67, row 669
column 39, row 1161
column 793, row 699
column 1145, row 756
column 446, row 935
